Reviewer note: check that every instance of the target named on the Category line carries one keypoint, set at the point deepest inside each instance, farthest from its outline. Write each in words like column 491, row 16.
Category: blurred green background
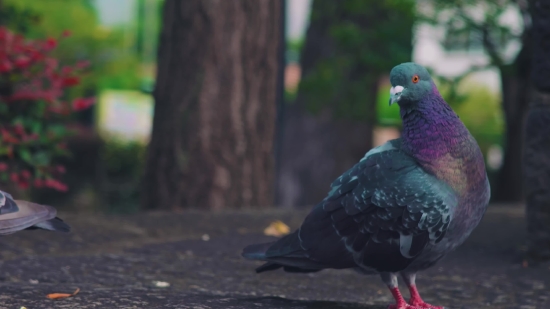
column 119, row 38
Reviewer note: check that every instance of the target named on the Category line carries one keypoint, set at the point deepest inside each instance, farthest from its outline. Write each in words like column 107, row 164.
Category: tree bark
column 318, row 147
column 215, row 109
column 515, row 101
column 537, row 138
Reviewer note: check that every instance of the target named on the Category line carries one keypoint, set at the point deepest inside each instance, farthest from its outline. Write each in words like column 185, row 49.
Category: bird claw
column 423, row 305
column 414, row 306
column 404, row 306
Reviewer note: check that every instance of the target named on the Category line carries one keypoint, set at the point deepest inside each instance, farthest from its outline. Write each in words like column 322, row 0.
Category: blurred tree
column 537, row 138
column 114, row 60
column 148, row 29
column 214, row 123
column 349, row 46
column 480, row 24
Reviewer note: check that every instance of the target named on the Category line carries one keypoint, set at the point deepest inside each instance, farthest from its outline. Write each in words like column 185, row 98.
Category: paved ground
column 115, row 259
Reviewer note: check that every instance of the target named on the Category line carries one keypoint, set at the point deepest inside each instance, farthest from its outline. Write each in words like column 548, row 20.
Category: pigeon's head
column 410, row 83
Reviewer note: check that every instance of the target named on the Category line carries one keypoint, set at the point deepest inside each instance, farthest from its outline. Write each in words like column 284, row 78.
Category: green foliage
column 368, row 39
column 34, row 109
column 122, row 168
column 114, row 64
column 482, row 114
column 386, row 115
column 475, row 25
column 293, row 49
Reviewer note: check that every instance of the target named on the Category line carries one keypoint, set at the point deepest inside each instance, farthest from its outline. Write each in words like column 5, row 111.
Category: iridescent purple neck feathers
column 431, row 128
column 438, row 140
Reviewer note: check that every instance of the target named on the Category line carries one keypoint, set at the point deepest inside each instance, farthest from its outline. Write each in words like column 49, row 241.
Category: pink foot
column 400, row 302
column 403, row 306
column 417, row 301
column 421, row 304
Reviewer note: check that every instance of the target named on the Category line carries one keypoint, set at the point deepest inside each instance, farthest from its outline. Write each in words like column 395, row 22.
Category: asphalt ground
column 192, row 260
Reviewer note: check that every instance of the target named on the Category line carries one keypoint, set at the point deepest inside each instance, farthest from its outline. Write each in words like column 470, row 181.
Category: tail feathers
column 285, row 252
column 267, row 267
column 288, row 263
column 290, row 269
column 55, row 224
column 256, row 252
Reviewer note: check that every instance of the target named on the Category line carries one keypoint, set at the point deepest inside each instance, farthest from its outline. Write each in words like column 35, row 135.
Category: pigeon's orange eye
column 415, row 79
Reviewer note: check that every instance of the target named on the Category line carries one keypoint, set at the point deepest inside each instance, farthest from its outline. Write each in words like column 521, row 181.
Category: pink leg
column 415, row 299
column 400, row 303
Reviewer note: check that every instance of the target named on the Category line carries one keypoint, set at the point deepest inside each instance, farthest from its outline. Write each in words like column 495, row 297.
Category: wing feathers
column 379, row 215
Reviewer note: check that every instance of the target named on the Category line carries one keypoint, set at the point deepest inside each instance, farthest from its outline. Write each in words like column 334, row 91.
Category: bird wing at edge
column 16, row 215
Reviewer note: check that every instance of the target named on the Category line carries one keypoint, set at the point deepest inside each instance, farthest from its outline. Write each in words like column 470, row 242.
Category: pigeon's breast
column 463, row 169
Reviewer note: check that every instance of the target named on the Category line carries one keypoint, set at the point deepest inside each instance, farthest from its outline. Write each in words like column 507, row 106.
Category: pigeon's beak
column 395, row 94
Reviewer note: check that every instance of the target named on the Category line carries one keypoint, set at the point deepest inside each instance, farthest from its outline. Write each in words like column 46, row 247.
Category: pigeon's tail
column 286, row 253
column 18, row 215
column 256, row 252
column 55, row 224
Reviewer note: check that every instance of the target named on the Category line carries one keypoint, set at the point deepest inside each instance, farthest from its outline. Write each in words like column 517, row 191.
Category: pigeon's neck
column 431, row 129
column 440, row 143
column 434, row 135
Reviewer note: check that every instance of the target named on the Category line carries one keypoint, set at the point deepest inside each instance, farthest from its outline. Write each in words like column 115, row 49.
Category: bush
column 121, row 168
column 34, row 110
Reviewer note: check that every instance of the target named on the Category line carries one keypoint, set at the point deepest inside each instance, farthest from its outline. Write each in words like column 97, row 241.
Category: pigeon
column 17, row 215
column 404, row 206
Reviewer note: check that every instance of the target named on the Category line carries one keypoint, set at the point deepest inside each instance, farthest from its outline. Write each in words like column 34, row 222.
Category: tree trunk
column 214, row 122
column 319, row 146
column 537, row 138
column 515, row 100
column 316, row 150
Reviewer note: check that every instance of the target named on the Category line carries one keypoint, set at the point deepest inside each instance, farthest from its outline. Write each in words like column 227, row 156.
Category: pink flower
column 22, row 62
column 70, row 81
column 23, row 184
column 26, row 174
column 18, row 128
column 39, row 183
column 83, row 64
column 54, row 184
column 82, row 103
column 14, row 177
column 60, row 169
column 50, row 44
column 5, row 65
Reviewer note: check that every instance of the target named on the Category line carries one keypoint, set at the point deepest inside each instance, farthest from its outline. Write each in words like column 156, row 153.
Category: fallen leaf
column 62, row 295
column 277, row 229
column 161, row 284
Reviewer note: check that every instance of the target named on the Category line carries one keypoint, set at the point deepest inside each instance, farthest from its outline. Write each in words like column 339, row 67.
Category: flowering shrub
column 34, row 110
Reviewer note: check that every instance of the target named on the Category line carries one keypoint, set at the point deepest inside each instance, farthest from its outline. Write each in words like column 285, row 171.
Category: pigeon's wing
column 16, row 215
column 385, row 211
